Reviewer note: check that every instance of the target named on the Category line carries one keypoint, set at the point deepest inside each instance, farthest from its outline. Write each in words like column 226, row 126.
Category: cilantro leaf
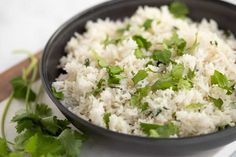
column 4, row 150
column 137, row 97
column 114, row 74
column 172, row 79
column 147, row 24
column 71, row 141
column 106, row 119
column 22, row 138
column 195, row 106
column 16, row 154
column 184, row 84
column 177, row 71
column 222, row 81
column 58, row 95
column 142, row 42
column 176, row 43
column 114, row 79
column 114, row 70
column 138, row 53
column 165, row 130
column 162, row 56
column 100, row 86
column 217, row 102
column 43, row 110
column 179, row 9
column 20, row 87
column 39, row 145
column 141, row 74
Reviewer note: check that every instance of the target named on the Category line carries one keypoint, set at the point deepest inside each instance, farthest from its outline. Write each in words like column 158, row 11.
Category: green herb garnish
column 174, row 79
column 176, row 43
column 179, row 9
column 138, row 96
column 56, row 94
column 217, row 102
column 101, row 62
column 142, row 42
column 39, row 132
column 195, row 106
column 139, row 53
column 114, row 74
column 106, row 119
column 162, row 56
column 165, row 130
column 141, row 74
column 100, row 86
column 221, row 80
column 147, row 24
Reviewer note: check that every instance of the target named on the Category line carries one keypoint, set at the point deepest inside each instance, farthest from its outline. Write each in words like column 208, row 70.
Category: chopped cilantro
column 114, row 70
column 100, row 86
column 139, row 53
column 184, row 84
column 165, row 130
column 194, row 106
column 176, row 43
column 222, row 81
column 174, row 79
column 217, row 102
column 162, row 56
column 141, row 42
column 141, row 74
column 106, row 119
column 114, row 74
column 147, row 24
column 56, row 94
column 138, row 96
column 179, row 9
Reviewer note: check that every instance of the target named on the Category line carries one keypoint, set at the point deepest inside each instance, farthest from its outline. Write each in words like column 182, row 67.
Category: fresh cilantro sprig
column 40, row 133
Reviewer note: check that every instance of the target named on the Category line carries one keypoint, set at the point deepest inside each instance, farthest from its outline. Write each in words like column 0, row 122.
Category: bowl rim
column 47, row 86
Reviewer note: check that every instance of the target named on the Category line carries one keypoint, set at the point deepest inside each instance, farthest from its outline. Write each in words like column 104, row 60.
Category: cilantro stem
column 33, row 78
column 4, row 115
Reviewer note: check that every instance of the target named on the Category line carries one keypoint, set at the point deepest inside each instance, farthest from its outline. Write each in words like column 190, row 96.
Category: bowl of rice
column 147, row 76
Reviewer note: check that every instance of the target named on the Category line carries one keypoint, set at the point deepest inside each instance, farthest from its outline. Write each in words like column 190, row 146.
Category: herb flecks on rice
column 156, row 74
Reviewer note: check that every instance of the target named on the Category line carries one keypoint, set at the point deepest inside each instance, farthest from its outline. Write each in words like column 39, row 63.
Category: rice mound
column 215, row 51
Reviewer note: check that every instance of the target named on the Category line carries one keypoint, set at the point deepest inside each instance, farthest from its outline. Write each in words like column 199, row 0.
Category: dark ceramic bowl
column 224, row 13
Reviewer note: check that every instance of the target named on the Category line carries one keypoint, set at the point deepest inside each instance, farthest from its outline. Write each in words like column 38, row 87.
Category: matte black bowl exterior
column 224, row 13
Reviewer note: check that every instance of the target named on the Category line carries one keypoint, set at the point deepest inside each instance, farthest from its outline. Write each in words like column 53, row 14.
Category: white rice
column 80, row 80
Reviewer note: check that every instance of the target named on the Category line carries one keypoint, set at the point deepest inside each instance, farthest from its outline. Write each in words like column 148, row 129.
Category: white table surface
column 28, row 24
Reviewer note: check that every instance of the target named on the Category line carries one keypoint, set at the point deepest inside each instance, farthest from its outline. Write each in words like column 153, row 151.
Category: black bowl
column 224, row 13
